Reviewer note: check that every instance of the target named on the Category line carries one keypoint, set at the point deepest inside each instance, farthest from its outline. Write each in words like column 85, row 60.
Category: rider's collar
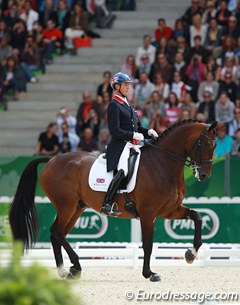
column 120, row 99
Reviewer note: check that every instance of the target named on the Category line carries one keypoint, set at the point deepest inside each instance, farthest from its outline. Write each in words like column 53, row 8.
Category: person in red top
column 163, row 30
column 52, row 39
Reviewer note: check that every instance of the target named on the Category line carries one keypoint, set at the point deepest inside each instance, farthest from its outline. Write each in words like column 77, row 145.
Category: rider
column 124, row 126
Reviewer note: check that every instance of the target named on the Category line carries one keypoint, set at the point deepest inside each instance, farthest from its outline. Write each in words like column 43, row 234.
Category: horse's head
column 200, row 149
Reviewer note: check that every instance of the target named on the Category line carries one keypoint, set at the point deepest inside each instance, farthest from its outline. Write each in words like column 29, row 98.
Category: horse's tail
column 22, row 215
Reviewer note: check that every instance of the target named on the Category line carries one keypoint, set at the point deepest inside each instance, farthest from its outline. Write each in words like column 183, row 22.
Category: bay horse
column 159, row 191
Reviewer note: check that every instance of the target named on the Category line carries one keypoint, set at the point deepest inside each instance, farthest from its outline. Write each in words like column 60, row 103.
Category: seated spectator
column 11, row 15
column 207, row 107
column 130, row 67
column 156, row 107
column 236, row 144
column 88, row 142
column 199, row 49
column 29, row 15
column 237, row 52
column 230, row 67
column 232, row 28
column 209, row 13
column 224, row 109
column 223, row 13
column 143, row 90
column 179, row 29
column 184, row 115
column 91, row 121
column 103, row 140
column 30, row 60
column 83, row 111
column 179, row 64
column 68, row 141
column 191, row 11
column 178, row 87
column 224, row 143
column 195, row 73
column 105, row 85
column 15, row 79
column 78, row 24
column 19, row 35
column 37, row 34
column 161, row 65
column 163, row 46
column 209, row 85
column 237, row 13
column 103, row 104
column 63, row 116
column 146, row 48
column 52, row 39
column 234, row 125
column 197, row 29
column 172, row 108
column 212, row 66
column 229, row 86
column 163, row 30
column 4, row 31
column 47, row 143
column 104, row 17
column 213, row 36
column 47, row 12
column 161, row 86
column 63, row 15
column 142, row 116
column 5, row 49
column 189, row 105
column 144, row 66
column 183, row 48
column 228, row 49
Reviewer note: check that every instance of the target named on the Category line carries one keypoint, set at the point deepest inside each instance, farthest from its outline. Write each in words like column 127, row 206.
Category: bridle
column 197, row 161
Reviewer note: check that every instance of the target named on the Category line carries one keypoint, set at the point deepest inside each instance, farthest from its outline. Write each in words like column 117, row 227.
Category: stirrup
column 109, row 210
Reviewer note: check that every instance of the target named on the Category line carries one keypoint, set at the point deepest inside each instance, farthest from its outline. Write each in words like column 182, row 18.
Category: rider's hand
column 138, row 136
column 152, row 132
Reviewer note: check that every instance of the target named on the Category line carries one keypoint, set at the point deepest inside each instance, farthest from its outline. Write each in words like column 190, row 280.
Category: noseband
column 197, row 161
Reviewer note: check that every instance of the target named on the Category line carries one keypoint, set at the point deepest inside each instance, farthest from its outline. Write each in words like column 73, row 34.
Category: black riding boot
column 115, row 184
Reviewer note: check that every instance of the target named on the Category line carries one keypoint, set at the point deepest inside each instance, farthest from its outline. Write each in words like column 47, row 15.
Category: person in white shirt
column 29, row 15
column 147, row 48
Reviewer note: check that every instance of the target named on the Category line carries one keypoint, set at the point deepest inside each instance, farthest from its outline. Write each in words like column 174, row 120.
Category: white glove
column 138, row 136
column 152, row 132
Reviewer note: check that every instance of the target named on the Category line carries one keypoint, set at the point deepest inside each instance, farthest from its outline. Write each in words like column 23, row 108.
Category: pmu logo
column 184, row 228
column 91, row 225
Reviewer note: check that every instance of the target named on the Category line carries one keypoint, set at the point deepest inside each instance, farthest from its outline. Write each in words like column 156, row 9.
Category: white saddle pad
column 99, row 179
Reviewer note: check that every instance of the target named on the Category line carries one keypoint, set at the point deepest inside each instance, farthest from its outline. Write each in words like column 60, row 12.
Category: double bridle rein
column 197, row 161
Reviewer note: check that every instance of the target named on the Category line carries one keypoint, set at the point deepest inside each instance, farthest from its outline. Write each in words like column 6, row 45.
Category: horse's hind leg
column 57, row 253
column 186, row 213
column 147, row 224
column 59, row 238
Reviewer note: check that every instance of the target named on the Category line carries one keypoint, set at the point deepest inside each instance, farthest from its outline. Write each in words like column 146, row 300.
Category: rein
column 187, row 161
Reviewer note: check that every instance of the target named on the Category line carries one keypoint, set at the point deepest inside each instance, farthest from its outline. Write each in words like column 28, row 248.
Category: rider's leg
column 111, row 192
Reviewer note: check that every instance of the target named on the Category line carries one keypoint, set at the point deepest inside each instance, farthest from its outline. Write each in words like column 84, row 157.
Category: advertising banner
column 220, row 224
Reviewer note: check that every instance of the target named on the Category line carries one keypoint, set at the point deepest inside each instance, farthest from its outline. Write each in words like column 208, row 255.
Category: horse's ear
column 212, row 126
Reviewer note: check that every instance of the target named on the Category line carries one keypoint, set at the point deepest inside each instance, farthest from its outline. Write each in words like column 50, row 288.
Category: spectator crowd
column 32, row 32
column 190, row 71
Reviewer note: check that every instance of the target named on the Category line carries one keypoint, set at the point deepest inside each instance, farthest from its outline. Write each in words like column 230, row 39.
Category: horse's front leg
column 185, row 213
column 191, row 254
column 147, row 224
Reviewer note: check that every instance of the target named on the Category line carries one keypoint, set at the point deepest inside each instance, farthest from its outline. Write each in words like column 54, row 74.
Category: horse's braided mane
column 180, row 123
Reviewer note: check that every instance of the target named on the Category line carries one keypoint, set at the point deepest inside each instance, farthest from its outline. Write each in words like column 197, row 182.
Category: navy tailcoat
column 122, row 122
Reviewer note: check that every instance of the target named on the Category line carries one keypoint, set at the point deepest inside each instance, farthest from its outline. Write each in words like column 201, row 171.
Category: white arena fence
column 102, row 254
column 131, row 255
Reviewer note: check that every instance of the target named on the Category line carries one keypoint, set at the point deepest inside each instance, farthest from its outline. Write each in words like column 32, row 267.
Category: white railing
column 131, row 255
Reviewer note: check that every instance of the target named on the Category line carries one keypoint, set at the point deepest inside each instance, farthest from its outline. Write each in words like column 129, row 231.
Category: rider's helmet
column 119, row 78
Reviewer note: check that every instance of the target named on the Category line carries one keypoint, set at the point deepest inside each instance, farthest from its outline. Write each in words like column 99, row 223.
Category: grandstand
column 68, row 77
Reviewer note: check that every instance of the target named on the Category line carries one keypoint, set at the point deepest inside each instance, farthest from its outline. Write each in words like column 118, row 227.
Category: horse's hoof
column 62, row 272
column 190, row 255
column 74, row 273
column 155, row 277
